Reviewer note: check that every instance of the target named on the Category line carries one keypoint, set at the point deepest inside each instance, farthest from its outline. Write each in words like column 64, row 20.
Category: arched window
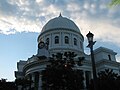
column 47, row 41
column 75, row 41
column 56, row 39
column 66, row 40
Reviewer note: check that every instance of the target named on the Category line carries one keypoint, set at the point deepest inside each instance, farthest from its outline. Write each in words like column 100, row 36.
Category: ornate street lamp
column 90, row 45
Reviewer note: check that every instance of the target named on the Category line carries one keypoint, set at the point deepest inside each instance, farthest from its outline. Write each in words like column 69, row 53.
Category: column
column 84, row 79
column 62, row 38
column 40, row 82
column 50, row 40
column 36, row 81
column 30, row 79
column 72, row 42
column 33, row 79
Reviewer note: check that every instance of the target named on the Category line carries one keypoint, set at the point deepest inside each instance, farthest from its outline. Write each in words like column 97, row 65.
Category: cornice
column 34, row 64
column 107, row 62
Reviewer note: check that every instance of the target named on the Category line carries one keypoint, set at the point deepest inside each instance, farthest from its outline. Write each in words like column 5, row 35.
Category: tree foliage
column 115, row 2
column 60, row 75
column 23, row 82
column 107, row 80
column 4, row 85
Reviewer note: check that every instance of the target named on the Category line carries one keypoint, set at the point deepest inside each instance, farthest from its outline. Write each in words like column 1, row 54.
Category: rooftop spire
column 60, row 15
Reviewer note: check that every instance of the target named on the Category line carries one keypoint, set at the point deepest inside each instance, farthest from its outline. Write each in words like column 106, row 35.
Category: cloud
column 102, row 29
column 6, row 8
column 31, row 15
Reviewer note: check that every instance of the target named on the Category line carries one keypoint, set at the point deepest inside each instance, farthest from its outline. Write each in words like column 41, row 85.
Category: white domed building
column 61, row 34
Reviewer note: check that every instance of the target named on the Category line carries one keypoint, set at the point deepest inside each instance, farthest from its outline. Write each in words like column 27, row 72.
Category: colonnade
column 36, row 79
column 37, row 82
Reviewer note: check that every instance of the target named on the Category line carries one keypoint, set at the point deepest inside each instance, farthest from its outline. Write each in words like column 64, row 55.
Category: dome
column 60, row 23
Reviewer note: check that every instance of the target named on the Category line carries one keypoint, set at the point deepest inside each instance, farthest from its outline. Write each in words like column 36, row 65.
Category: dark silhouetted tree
column 60, row 75
column 107, row 80
column 4, row 85
column 23, row 82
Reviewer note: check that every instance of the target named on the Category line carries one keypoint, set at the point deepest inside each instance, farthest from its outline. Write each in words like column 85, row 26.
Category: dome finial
column 60, row 15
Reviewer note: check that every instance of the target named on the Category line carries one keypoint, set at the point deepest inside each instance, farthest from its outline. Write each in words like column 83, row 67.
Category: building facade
column 61, row 34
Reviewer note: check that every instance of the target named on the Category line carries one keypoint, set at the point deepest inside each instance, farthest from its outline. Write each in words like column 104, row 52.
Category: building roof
column 103, row 49
column 60, row 23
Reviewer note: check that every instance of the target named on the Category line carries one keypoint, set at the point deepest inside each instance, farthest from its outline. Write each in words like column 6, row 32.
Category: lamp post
column 90, row 45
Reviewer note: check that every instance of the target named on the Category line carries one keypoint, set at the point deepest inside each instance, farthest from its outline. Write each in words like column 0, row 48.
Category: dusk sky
column 21, row 22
